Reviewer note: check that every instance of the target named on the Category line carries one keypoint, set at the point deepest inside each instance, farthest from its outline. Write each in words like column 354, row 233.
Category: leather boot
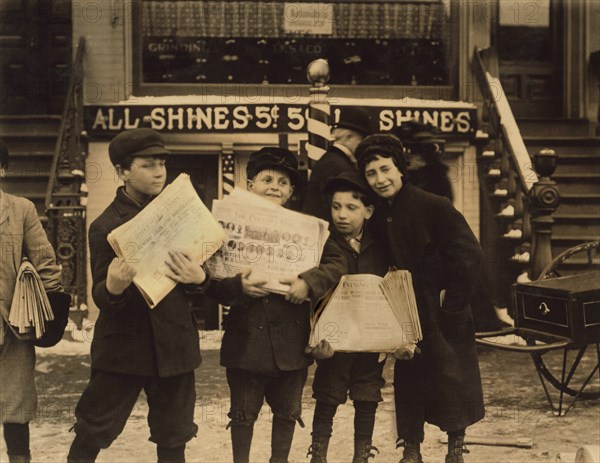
column 363, row 450
column 241, row 440
column 282, row 434
column 19, row 458
column 412, row 453
column 456, row 448
column 318, row 450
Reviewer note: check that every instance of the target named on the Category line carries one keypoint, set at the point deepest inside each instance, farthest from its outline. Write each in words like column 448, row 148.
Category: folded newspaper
column 273, row 241
column 30, row 308
column 176, row 219
column 368, row 313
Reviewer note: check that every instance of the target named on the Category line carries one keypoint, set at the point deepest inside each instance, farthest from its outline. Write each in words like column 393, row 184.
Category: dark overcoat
column 267, row 335
column 129, row 337
column 333, row 163
column 429, row 237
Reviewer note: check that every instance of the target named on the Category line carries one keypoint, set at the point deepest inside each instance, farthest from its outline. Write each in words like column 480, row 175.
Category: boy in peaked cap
column 340, row 374
column 134, row 347
column 266, row 333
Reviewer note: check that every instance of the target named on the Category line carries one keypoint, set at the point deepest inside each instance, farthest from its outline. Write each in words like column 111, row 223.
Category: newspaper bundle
column 176, row 219
column 273, row 241
column 368, row 313
column 30, row 308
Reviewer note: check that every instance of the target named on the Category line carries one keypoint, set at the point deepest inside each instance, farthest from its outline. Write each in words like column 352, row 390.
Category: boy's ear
column 249, row 184
column 121, row 172
column 369, row 212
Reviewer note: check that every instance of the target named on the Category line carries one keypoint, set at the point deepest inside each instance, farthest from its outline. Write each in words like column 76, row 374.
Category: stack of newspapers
column 273, row 241
column 30, row 308
column 176, row 219
column 368, row 313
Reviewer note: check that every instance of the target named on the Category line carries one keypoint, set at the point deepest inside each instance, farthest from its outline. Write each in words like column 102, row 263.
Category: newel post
column 543, row 199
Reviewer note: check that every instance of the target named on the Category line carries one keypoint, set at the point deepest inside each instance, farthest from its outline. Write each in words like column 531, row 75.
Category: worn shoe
column 456, row 448
column 363, row 450
column 412, row 453
column 318, row 450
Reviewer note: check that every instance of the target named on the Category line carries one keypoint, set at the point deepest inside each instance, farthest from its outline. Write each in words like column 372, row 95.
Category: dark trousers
column 283, row 393
column 249, row 390
column 109, row 398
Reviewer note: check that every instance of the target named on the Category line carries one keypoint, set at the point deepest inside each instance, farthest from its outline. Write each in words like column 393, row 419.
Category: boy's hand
column 183, row 270
column 252, row 286
column 321, row 351
column 298, row 291
column 119, row 276
column 406, row 352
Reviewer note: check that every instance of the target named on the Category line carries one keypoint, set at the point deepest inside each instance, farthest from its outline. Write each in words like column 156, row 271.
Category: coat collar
column 365, row 241
column 126, row 205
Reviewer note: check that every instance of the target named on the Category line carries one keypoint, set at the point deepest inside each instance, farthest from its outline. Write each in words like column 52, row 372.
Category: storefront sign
column 273, row 118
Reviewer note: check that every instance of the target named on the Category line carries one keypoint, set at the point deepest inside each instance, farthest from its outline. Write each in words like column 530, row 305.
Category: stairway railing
column 66, row 192
column 521, row 197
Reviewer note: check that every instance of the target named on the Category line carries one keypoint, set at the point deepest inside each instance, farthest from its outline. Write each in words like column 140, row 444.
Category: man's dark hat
column 355, row 118
column 347, row 181
column 412, row 132
column 136, row 142
column 273, row 157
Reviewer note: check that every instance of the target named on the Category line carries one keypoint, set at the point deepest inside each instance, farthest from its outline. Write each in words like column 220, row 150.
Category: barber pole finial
column 318, row 110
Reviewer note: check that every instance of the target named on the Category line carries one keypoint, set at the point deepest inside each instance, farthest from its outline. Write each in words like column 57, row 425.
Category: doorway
column 529, row 40
column 35, row 55
column 204, row 173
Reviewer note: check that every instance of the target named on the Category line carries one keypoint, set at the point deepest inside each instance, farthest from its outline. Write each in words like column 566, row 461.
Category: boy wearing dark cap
column 265, row 333
column 135, row 347
column 426, row 235
column 358, row 374
column 354, row 124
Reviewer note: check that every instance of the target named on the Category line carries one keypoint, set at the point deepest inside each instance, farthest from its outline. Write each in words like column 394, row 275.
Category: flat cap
column 273, row 157
column 136, row 142
column 347, row 181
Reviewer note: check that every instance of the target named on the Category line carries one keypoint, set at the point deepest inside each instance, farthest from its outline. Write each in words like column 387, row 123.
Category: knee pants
column 248, row 391
column 109, row 398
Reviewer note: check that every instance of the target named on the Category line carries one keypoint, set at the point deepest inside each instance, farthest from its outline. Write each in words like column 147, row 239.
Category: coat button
column 260, row 327
column 389, row 219
column 266, row 300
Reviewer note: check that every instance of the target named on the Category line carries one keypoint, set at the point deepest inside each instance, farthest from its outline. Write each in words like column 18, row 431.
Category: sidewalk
column 516, row 407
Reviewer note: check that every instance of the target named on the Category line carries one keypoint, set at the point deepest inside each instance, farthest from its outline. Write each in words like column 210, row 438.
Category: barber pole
column 227, row 170
column 319, row 111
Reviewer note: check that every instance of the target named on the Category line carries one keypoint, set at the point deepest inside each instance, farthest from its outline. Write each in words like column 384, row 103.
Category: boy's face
column 145, row 177
column 383, row 177
column 273, row 185
column 348, row 212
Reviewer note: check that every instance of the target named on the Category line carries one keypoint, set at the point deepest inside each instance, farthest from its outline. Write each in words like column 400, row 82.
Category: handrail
column 503, row 120
column 73, row 104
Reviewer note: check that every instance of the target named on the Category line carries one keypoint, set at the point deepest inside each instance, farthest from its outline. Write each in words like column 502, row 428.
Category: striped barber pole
column 318, row 130
column 227, row 171
column 319, row 110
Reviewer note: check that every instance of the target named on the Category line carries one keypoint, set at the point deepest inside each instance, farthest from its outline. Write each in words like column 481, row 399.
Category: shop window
column 219, row 42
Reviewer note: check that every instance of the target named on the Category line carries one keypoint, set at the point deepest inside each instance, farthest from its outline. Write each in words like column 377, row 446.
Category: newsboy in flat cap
column 159, row 348
column 353, row 125
column 271, row 363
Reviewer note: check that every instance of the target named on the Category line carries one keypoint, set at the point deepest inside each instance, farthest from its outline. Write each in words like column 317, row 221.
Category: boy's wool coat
column 429, row 237
column 129, row 337
column 269, row 334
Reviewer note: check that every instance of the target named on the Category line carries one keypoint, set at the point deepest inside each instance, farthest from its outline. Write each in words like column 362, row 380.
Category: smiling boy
column 135, row 347
column 426, row 235
column 266, row 333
